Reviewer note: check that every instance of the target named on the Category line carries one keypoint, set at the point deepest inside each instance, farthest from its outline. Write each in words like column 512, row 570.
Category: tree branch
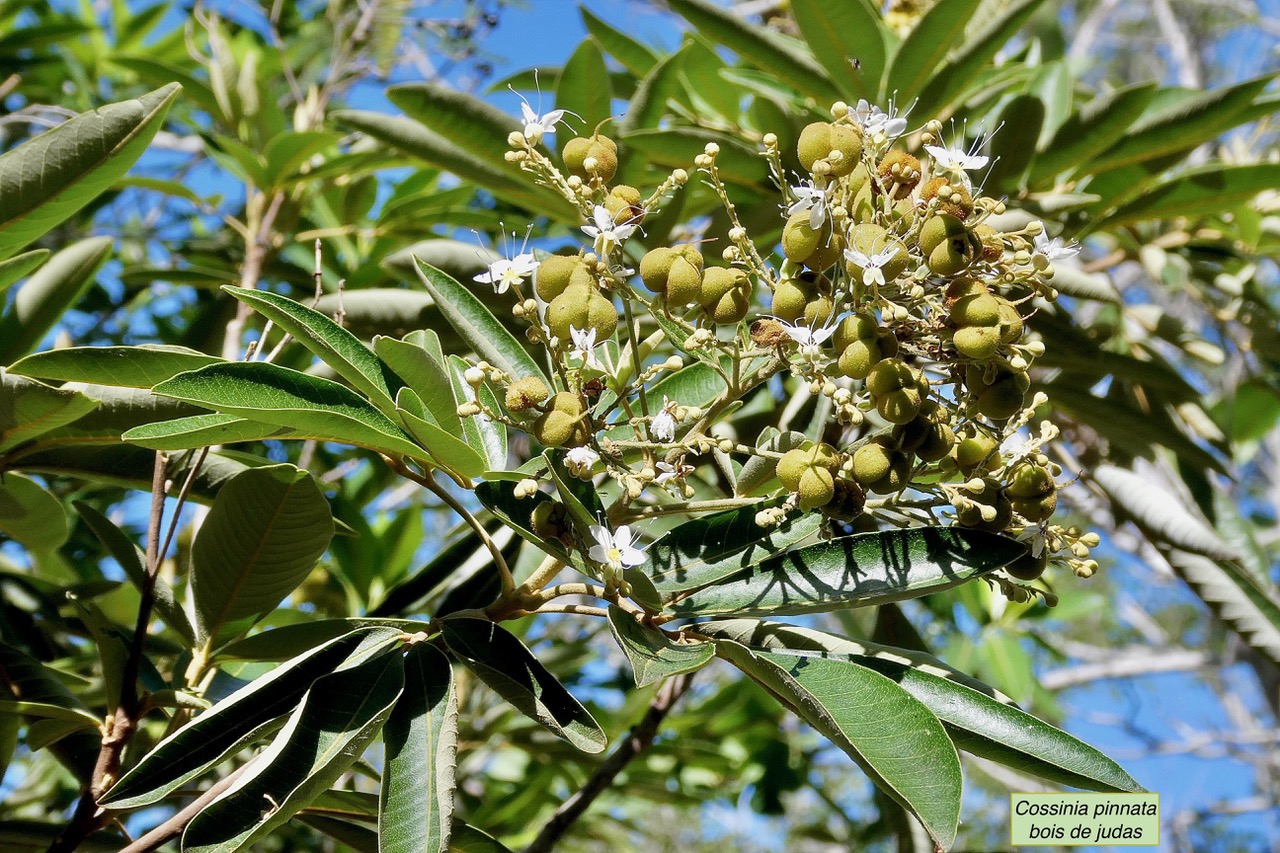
column 636, row 742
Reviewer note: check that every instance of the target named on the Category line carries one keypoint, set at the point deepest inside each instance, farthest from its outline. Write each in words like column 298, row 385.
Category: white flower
column 606, row 232
column 535, row 126
column 810, row 340
column 1057, row 248
column 1034, row 537
column 614, row 550
column 1017, row 446
column 812, row 199
column 580, row 460
column 503, row 273
column 663, row 425
column 670, row 475
column 584, row 345
column 874, row 120
column 872, row 272
column 956, row 160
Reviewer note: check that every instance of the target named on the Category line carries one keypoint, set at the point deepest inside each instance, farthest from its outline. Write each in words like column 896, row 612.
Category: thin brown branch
column 174, row 825
column 635, row 743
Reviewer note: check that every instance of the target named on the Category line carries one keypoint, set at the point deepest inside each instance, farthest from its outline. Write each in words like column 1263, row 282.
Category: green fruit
column 684, row 283
column 814, row 144
column 1010, row 325
column 795, row 464
column 562, row 424
column 1002, row 397
column 855, row 327
column 792, row 464
column 993, row 496
column 891, row 376
column 625, row 205
column 872, row 461
column 655, row 266
column 557, row 273
column 1027, row 567
column 848, row 501
column 1029, row 480
column 897, row 477
column 898, row 407
column 937, row 443
column 550, row 520
column 980, row 342
column 973, row 450
column 602, row 148
column 673, row 272
column 800, row 241
column 526, row 394
column 581, row 307
column 717, row 282
column 790, row 298
column 869, row 239
column 857, row 359
column 818, row 312
column 816, row 488
column 939, row 229
column 819, row 139
column 951, row 257
column 977, row 309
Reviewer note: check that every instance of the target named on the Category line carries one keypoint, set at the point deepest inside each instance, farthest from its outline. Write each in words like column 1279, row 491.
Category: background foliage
column 362, row 126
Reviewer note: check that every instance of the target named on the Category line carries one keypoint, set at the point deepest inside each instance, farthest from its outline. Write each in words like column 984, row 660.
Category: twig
column 174, row 825
column 636, row 742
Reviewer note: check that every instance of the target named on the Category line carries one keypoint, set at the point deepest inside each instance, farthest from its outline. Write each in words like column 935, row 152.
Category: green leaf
column 676, row 147
column 653, row 656
column 132, row 563
column 31, row 515
column 445, row 449
column 933, row 36
column 414, row 139
column 477, row 326
column 467, row 839
column 1180, row 127
column 583, row 87
column 501, row 661
column 963, row 68
column 1160, row 514
column 264, row 533
column 130, row 467
column 1210, row 189
column 709, row 549
column 46, row 180
column 634, row 56
column 47, row 711
column 238, row 719
column 891, row 735
column 18, row 266
column 840, row 33
column 499, row 498
column 485, row 435
column 339, row 717
column 30, row 409
column 1233, row 595
column 854, row 571
column 205, row 431
column 760, row 47
column 290, row 149
column 976, row 717
column 128, row 367
column 425, row 374
column 416, row 806
column 40, row 303
column 329, row 342
column 649, row 104
column 288, row 641
column 1014, row 146
column 462, row 119
column 1090, row 131
column 277, row 395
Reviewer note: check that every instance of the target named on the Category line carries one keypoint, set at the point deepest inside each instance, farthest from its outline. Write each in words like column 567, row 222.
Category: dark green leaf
column 239, row 718
column 1014, row 146
column 426, row 376
column 18, row 266
column 288, row 641
column 42, row 300
column 841, row 33
column 205, row 431
column 854, row 571
column 129, row 367
column 1091, row 130
column 652, row 654
column 421, row 747
column 634, row 56
column 499, row 498
column 31, row 515
column 502, row 662
column 937, row 32
column 30, row 409
column 583, row 87
column 1210, row 189
column 447, row 451
column 462, row 119
column 46, row 180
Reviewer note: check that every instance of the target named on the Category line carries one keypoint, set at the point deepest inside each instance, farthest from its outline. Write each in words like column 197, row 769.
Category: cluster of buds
column 889, row 290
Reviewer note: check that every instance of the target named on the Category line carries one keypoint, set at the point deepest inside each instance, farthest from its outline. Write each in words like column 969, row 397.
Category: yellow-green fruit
column 1010, row 325
column 891, row 376
column 525, row 394
column 855, row 327
column 799, row 240
column 790, row 298
column 557, row 273
column 871, row 461
column 794, row 463
column 1027, row 567
column 820, row 139
column 937, row 443
column 848, row 501
column 625, row 205
column 992, row 242
column 581, row 307
column 603, row 149
column 673, row 272
column 870, row 239
column 980, row 342
column 939, row 229
column 1036, row 510
column 857, row 359
column 550, row 520
column 898, row 476
column 1001, row 398
column 899, row 173
column 898, row 390
column 1033, row 492
column 994, row 497
column 726, row 294
column 655, row 266
column 952, row 199
column 814, row 144
column 951, row 257
column 816, row 488
column 913, row 433
column 898, row 407
column 977, row 309
column 973, row 450
column 561, row 425
column 818, row 312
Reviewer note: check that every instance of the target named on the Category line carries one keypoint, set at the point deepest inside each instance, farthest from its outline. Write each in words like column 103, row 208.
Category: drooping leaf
column 477, row 325
column 1160, row 514
column 129, row 367
column 1234, row 596
column 840, row 34
column 1096, row 125
column 1210, row 189
column 416, row 805
column 237, row 719
column 891, row 735
column 329, row 342
column 339, row 717
column 463, row 119
column 759, row 47
column 30, row 409
column 273, row 394
column 714, row 547
column 853, row 571
column 937, row 31
column 19, row 265
column 42, row 300
column 30, row 514
column 426, row 376
column 450, row 452
column 978, row 719
column 583, row 87
column 501, row 661
column 652, row 654
column 204, row 431
column 634, row 56
column 49, row 178
column 264, row 533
